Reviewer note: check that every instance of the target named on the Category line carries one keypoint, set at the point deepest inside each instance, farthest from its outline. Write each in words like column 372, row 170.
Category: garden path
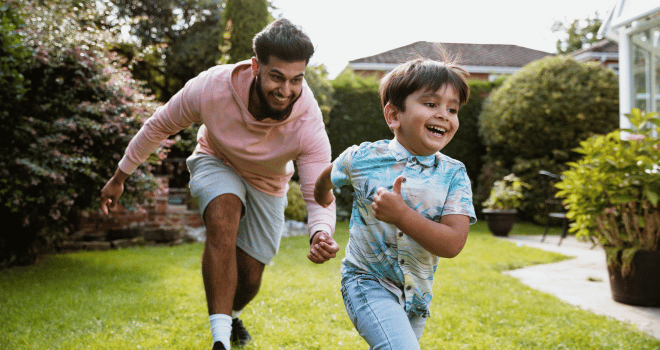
column 582, row 281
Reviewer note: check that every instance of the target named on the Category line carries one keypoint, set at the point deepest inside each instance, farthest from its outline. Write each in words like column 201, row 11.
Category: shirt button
column 409, row 287
column 402, row 261
column 400, row 234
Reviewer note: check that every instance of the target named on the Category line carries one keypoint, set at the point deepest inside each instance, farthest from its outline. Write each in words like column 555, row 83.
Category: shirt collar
column 402, row 155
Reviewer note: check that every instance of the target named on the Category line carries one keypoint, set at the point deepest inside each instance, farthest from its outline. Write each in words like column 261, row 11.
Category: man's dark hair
column 283, row 40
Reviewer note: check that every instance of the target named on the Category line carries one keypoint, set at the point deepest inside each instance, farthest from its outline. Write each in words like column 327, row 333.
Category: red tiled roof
column 603, row 46
column 486, row 55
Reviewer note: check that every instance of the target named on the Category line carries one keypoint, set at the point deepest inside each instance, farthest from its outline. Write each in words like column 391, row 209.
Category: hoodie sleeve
column 182, row 110
column 315, row 157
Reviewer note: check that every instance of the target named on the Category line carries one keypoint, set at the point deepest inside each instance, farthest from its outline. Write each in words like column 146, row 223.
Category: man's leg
column 250, row 271
column 219, row 269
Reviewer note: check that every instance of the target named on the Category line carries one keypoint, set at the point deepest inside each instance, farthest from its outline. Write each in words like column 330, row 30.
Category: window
column 646, row 69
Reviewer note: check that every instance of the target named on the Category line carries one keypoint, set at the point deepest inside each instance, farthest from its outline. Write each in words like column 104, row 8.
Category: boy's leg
column 377, row 315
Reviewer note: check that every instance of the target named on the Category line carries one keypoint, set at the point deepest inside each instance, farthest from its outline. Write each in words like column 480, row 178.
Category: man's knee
column 222, row 217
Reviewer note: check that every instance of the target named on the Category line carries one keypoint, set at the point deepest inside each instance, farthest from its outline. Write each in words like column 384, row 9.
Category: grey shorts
column 262, row 218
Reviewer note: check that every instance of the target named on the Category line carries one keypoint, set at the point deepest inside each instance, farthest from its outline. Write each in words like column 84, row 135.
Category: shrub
column 613, row 191
column 506, row 194
column 295, row 209
column 537, row 117
column 68, row 131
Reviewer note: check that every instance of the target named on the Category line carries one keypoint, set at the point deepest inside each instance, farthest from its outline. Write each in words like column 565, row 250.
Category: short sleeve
column 341, row 166
column 459, row 198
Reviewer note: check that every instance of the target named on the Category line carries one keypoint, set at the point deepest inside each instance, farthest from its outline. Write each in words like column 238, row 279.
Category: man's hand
column 389, row 206
column 112, row 190
column 322, row 248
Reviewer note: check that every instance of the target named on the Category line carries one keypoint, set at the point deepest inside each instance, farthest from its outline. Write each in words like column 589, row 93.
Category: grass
column 153, row 298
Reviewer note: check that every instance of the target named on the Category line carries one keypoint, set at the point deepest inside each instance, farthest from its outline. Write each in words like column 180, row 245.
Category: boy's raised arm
column 444, row 239
column 323, row 188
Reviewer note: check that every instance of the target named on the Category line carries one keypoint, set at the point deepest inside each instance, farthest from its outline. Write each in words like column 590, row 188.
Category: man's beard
column 265, row 110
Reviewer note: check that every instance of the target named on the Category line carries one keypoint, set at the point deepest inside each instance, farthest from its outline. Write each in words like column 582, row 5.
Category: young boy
column 412, row 204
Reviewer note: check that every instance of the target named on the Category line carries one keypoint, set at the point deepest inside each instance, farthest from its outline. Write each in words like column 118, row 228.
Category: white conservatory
column 635, row 25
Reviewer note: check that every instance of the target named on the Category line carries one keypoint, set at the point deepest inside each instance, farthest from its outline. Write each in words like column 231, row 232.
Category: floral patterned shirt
column 435, row 185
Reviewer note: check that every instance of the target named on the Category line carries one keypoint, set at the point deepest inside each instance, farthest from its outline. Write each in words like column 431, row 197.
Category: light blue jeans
column 378, row 316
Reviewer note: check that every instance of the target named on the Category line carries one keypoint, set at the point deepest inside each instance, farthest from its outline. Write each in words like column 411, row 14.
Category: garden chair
column 554, row 206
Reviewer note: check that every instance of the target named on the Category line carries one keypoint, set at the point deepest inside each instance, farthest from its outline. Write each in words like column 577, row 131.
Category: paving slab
column 582, row 281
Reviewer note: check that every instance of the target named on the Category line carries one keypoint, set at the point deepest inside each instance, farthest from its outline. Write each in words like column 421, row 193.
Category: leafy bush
column 506, row 194
column 68, row 131
column 613, row 191
column 295, row 209
column 14, row 59
column 537, row 117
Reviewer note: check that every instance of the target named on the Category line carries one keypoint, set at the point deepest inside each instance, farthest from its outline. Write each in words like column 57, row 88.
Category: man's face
column 278, row 86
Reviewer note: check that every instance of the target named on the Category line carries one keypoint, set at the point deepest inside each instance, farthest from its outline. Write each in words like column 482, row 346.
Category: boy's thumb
column 396, row 188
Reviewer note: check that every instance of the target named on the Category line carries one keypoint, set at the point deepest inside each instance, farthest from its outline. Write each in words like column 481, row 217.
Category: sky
column 344, row 30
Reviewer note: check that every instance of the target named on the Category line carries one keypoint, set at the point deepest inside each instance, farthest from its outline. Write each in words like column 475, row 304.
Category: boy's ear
column 391, row 116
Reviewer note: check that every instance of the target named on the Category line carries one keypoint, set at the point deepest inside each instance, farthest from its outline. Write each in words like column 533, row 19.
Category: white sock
column 234, row 313
column 221, row 329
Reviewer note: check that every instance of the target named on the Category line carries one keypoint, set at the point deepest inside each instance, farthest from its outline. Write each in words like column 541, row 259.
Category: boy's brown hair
column 419, row 74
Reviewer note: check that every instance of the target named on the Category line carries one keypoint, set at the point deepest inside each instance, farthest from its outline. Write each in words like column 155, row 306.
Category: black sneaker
column 218, row 346
column 239, row 335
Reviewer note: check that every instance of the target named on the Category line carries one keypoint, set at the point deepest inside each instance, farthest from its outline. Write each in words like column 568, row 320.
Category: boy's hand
column 323, row 248
column 389, row 206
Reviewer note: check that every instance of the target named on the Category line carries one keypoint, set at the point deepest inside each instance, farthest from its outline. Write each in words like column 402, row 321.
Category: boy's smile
column 428, row 122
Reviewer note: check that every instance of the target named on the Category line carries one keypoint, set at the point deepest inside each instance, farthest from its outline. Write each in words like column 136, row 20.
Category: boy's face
column 429, row 121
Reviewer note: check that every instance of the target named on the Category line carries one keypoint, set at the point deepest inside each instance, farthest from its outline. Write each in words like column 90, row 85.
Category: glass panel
column 655, row 89
column 639, row 70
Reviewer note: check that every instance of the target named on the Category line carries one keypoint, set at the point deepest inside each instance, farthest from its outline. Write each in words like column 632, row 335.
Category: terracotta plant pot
column 500, row 222
column 642, row 287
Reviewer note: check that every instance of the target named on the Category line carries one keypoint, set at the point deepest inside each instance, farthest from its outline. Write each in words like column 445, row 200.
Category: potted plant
column 500, row 208
column 612, row 195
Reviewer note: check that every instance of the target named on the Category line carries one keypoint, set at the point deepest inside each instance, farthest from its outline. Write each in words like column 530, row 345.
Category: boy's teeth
column 438, row 130
column 280, row 98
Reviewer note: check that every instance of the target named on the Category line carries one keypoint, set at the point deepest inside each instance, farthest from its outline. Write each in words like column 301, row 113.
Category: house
column 635, row 26
column 606, row 52
column 482, row 61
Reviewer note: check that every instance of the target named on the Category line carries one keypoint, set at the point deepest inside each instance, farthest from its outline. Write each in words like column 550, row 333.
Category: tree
column 69, row 128
column 577, row 34
column 173, row 40
column 321, row 86
column 247, row 18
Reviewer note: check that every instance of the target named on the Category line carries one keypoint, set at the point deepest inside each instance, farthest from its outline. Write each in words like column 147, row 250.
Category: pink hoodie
column 260, row 151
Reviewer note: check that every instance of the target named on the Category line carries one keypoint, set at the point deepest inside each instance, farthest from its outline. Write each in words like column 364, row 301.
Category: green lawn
column 153, row 298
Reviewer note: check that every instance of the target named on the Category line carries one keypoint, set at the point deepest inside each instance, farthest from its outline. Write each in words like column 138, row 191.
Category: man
column 257, row 117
